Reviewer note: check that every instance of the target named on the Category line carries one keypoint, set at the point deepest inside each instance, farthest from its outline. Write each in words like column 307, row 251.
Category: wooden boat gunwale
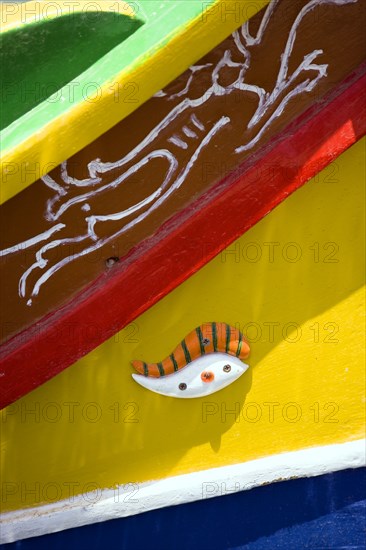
column 309, row 143
column 56, row 129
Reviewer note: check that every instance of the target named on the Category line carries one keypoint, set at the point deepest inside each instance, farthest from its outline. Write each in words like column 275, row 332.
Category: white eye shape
column 203, row 376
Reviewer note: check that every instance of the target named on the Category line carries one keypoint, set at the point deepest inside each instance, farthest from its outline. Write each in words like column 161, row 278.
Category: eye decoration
column 207, row 376
column 207, row 360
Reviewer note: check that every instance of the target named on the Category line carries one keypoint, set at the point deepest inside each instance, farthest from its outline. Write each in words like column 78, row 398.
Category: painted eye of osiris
column 207, row 376
column 227, row 368
column 182, row 386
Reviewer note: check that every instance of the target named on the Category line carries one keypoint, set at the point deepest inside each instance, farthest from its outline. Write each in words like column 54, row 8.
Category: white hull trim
column 133, row 498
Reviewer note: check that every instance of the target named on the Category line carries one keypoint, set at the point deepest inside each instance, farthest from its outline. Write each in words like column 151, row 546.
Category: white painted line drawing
column 193, row 138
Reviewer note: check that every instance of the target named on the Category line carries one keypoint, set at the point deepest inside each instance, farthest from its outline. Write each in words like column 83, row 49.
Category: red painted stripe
column 186, row 242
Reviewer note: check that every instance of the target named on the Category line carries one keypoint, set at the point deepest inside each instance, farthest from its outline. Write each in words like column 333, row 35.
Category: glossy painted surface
column 307, row 146
column 173, row 35
column 121, row 501
column 202, row 377
column 40, row 57
column 322, row 512
column 106, row 200
column 293, row 284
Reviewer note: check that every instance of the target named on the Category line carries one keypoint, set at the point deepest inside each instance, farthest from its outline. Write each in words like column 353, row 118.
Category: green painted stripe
column 239, row 344
column 161, row 369
column 214, row 336
column 200, row 338
column 146, row 370
column 186, row 352
column 175, row 364
column 228, row 332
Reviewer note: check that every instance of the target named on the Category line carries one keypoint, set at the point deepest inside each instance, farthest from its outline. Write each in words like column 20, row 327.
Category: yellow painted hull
column 293, row 284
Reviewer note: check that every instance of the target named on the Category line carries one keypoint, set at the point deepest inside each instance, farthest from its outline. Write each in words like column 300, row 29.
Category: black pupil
column 182, row 386
column 227, row 368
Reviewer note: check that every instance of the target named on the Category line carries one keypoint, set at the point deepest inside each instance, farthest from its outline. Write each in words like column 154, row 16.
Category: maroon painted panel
column 186, row 242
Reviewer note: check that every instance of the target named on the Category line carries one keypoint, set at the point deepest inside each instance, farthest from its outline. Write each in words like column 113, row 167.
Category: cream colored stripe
column 132, row 499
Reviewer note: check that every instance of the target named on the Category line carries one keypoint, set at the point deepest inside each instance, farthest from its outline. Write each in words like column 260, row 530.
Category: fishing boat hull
column 186, row 234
